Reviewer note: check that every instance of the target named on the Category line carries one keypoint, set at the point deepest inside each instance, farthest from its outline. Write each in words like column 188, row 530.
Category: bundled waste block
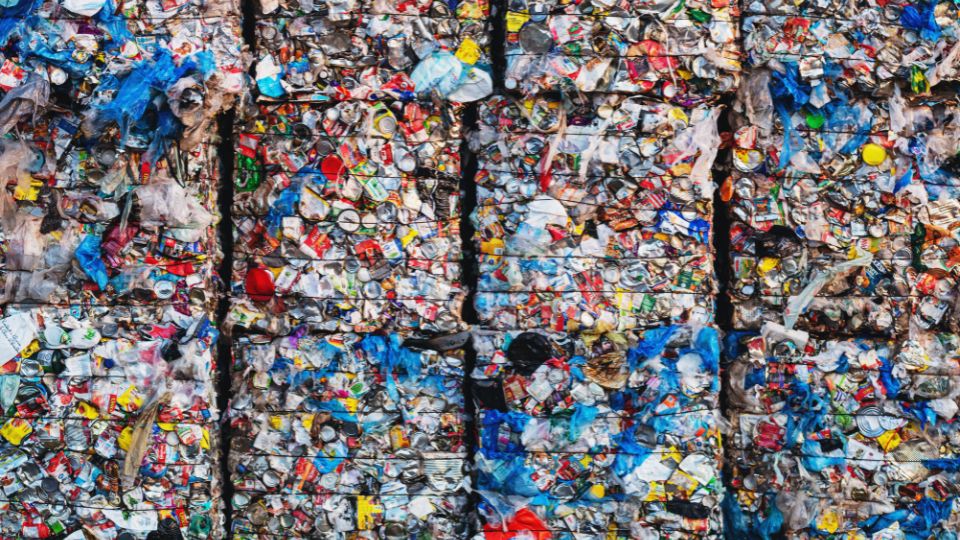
column 349, row 434
column 849, row 437
column 869, row 46
column 842, row 209
column 108, row 257
column 843, row 238
column 683, row 53
column 614, row 434
column 347, row 217
column 594, row 213
column 362, row 50
column 110, row 421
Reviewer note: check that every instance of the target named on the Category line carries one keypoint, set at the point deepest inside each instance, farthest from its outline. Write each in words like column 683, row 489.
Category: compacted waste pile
column 597, row 376
column 842, row 376
column 521, row 269
column 108, row 262
column 347, row 416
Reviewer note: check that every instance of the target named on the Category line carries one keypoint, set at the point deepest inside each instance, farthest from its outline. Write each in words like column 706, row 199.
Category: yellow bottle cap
column 874, row 154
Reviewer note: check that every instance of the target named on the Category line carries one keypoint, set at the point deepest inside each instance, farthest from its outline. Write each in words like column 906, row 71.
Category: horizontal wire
column 801, row 454
column 373, row 370
column 848, row 296
column 812, row 363
column 391, row 375
column 268, row 17
column 200, row 263
column 641, row 14
column 120, row 506
column 344, row 259
column 268, row 169
column 600, row 291
column 122, row 18
column 828, row 17
column 308, row 170
column 85, row 303
column 382, row 496
column 450, row 219
column 818, row 495
column 605, row 532
column 806, row 130
column 182, row 465
column 462, row 457
column 184, row 155
column 482, row 257
column 205, row 242
column 337, row 138
column 94, row 376
column 414, row 495
column 454, row 295
column 868, row 176
column 715, row 448
column 852, row 415
column 822, row 259
column 614, row 204
column 826, row 55
column 637, row 132
column 288, row 490
column 134, row 418
column 729, row 55
column 322, row 410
